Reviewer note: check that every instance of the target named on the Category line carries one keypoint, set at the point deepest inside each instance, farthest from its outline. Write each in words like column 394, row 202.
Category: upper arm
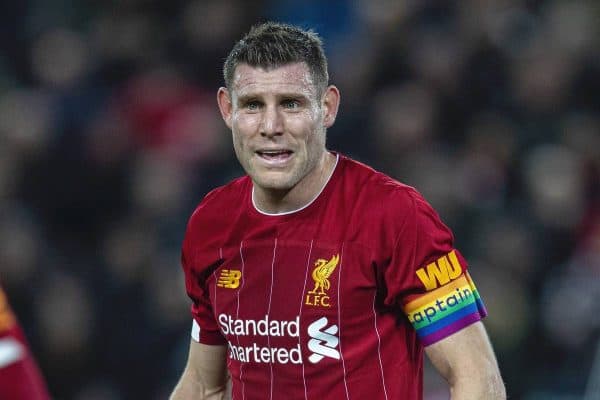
column 207, row 364
column 205, row 374
column 467, row 356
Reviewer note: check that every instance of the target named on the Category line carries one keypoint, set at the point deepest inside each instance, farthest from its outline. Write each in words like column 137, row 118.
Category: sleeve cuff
column 205, row 336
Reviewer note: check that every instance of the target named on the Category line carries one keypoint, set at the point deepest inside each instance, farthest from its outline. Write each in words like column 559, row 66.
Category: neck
column 272, row 201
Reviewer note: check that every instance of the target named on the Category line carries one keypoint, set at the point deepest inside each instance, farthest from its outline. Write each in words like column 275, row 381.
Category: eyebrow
column 245, row 97
column 256, row 96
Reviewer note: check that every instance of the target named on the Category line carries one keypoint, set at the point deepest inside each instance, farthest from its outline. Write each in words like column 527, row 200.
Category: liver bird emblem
column 322, row 272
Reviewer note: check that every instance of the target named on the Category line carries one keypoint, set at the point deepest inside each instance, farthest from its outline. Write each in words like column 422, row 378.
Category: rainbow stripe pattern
column 445, row 310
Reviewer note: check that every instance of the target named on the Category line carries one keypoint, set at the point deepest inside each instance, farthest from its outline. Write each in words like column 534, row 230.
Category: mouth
column 275, row 156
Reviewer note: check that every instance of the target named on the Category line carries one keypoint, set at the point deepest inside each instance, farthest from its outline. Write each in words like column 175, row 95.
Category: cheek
column 245, row 124
column 242, row 129
column 303, row 127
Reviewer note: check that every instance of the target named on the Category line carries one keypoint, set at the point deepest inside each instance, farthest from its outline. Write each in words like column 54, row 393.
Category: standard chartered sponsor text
column 262, row 327
column 258, row 354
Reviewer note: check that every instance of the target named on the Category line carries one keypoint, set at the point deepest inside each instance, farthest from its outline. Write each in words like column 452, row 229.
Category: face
column 278, row 122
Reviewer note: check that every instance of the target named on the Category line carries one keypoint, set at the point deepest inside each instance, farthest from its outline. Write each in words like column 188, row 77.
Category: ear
column 225, row 105
column 331, row 102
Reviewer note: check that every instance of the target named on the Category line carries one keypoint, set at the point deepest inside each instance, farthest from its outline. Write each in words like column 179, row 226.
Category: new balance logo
column 323, row 342
column 229, row 278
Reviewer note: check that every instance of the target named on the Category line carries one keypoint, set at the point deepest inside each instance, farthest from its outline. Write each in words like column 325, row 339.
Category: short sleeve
column 428, row 278
column 205, row 328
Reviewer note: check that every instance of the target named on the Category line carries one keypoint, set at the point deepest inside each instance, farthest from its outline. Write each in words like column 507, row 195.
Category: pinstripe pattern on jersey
column 339, row 300
column 238, row 315
column 308, row 264
column 269, row 313
column 379, row 346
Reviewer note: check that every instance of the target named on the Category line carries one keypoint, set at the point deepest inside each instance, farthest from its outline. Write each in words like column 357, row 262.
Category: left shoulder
column 378, row 189
column 377, row 204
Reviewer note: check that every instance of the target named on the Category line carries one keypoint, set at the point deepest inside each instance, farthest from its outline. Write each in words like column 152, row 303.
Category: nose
column 272, row 122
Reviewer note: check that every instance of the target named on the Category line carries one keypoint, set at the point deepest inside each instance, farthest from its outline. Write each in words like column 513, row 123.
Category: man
column 20, row 378
column 316, row 277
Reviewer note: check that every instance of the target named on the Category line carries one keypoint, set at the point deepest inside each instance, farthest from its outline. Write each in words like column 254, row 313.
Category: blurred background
column 110, row 136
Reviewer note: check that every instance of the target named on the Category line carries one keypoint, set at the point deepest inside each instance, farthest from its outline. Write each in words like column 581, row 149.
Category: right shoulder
column 217, row 206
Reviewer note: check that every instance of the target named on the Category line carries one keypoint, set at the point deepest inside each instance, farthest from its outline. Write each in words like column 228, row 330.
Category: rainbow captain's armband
column 446, row 310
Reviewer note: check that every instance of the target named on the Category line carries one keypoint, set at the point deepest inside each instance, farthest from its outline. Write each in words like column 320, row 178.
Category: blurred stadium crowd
column 110, row 135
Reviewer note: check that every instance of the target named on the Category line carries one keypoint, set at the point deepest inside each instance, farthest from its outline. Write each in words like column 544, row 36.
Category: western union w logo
column 229, row 278
column 445, row 269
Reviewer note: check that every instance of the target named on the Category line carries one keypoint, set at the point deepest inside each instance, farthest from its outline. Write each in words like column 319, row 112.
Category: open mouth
column 274, row 155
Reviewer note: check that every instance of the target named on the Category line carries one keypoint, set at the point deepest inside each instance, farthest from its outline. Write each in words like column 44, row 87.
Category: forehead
column 295, row 77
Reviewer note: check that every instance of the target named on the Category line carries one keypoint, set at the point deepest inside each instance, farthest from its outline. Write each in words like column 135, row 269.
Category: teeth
column 273, row 152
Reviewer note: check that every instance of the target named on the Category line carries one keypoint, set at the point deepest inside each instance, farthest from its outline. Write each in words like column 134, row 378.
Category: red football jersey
column 20, row 378
column 335, row 300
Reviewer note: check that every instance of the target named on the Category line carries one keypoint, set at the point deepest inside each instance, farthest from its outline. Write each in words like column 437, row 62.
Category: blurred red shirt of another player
column 20, row 377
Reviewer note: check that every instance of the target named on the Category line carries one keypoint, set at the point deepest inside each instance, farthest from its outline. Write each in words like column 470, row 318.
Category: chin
column 274, row 183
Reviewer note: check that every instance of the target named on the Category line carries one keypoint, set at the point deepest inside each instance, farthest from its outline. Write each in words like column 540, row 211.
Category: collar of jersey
column 337, row 158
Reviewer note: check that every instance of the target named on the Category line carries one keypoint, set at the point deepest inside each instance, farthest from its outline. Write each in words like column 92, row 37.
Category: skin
column 205, row 374
column 467, row 362
column 281, row 109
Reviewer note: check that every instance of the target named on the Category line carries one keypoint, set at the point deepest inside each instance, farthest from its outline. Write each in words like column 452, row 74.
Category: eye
column 290, row 104
column 252, row 105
